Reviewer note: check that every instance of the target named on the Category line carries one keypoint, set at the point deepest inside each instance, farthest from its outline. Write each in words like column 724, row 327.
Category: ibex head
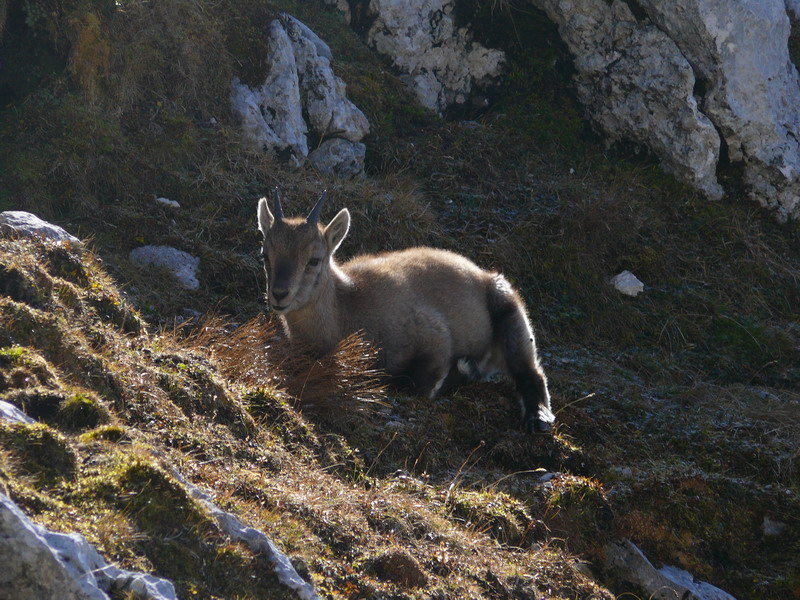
column 297, row 253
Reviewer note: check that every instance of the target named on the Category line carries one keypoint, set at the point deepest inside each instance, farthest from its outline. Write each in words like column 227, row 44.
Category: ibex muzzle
column 434, row 315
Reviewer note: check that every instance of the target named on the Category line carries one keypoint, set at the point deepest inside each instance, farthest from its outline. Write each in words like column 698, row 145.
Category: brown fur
column 434, row 314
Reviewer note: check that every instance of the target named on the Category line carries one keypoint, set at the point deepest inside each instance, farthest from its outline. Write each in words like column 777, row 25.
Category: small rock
column 772, row 528
column 168, row 202
column 627, row 283
column 9, row 412
column 29, row 225
column 182, row 264
column 546, row 477
column 697, row 590
column 339, row 157
column 627, row 564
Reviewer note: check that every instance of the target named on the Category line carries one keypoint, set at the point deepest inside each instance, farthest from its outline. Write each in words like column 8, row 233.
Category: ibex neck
column 319, row 324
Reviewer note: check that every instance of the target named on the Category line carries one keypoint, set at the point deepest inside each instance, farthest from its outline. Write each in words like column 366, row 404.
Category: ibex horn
column 276, row 197
column 313, row 216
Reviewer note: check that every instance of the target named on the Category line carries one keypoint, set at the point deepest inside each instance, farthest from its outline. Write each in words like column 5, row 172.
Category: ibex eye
column 313, row 262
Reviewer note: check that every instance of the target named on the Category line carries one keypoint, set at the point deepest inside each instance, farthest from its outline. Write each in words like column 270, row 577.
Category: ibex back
column 435, row 316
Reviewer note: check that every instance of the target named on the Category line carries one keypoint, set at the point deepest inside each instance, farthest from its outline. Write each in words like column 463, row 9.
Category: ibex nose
column 279, row 294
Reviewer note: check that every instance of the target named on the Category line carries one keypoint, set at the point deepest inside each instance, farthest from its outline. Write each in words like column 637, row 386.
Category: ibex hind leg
column 514, row 338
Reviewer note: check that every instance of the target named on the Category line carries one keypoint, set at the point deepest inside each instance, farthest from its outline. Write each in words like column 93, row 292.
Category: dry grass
column 255, row 354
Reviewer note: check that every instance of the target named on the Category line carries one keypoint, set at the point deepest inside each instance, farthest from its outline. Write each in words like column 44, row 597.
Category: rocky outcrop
column 255, row 540
column 625, row 563
column 636, row 85
column 438, row 59
column 19, row 222
column 41, row 565
column 300, row 81
column 687, row 78
column 752, row 90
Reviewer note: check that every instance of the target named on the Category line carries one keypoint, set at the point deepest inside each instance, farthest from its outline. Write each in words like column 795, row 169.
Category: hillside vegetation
column 678, row 410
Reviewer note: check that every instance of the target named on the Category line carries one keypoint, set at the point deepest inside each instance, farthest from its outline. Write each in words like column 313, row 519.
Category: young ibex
column 434, row 315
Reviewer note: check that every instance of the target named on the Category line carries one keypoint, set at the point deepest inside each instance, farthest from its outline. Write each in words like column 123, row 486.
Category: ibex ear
column 265, row 218
column 336, row 230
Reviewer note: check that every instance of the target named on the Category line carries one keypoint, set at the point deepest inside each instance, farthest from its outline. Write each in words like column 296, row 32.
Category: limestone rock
column 740, row 51
column 627, row 283
column 636, row 85
column 300, row 80
column 24, row 223
column 41, row 565
column 682, row 78
column 301, row 29
column 698, row 590
column 9, row 412
column 627, row 564
column 440, row 61
column 231, row 526
column 272, row 115
column 182, row 264
column 330, row 113
column 168, row 203
column 340, row 157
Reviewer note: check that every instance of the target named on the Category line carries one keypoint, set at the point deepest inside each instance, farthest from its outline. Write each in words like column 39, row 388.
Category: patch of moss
column 41, row 452
column 110, row 433
column 81, row 411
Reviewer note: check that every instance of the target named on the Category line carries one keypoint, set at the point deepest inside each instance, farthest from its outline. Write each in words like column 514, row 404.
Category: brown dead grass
column 255, row 354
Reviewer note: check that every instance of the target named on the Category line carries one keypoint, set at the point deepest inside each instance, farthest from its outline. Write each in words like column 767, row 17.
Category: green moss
column 158, row 502
column 110, row 433
column 11, row 355
column 43, row 453
column 81, row 411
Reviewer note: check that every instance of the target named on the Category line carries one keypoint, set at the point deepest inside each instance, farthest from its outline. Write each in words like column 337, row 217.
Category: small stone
column 627, row 283
column 182, row 264
column 168, row 202
column 339, row 157
column 772, row 528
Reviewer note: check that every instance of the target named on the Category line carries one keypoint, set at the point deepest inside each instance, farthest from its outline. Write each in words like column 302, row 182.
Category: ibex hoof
column 535, row 425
